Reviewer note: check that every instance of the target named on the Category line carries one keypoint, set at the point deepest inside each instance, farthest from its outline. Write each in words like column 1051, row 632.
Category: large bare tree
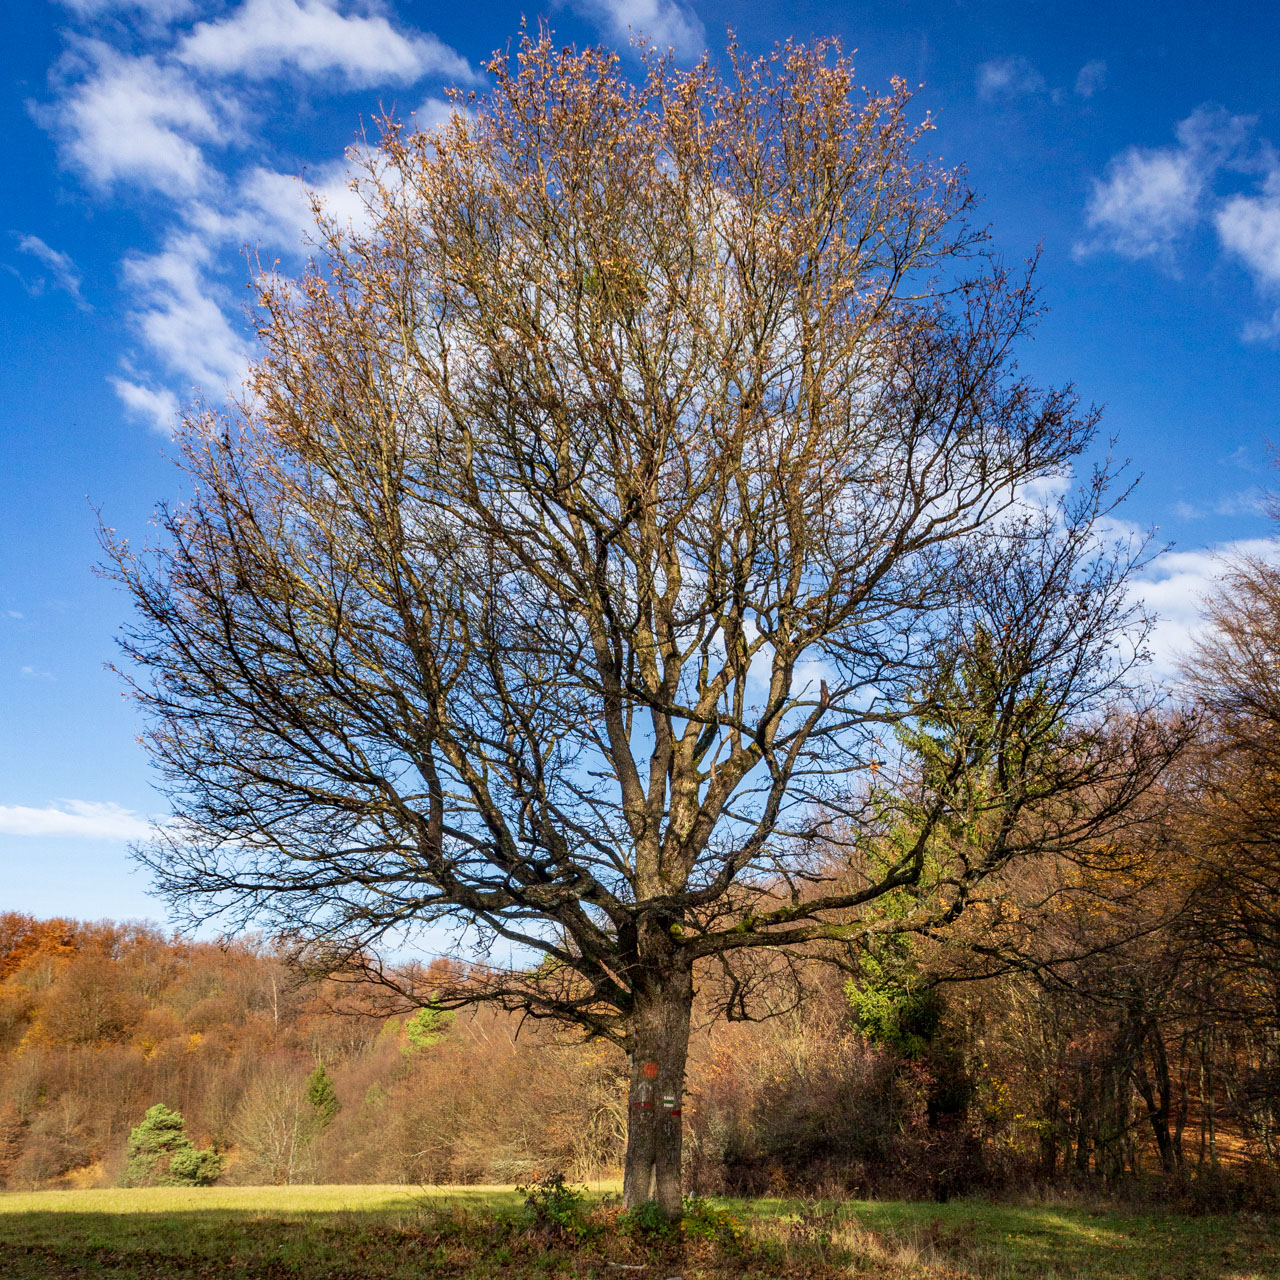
column 595, row 513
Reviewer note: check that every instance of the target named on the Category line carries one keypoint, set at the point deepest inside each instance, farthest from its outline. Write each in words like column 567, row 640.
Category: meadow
column 473, row 1233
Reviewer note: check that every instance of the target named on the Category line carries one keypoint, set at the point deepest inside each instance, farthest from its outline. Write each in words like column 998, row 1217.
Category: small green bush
column 703, row 1221
column 552, row 1202
column 649, row 1221
column 161, row 1155
column 426, row 1026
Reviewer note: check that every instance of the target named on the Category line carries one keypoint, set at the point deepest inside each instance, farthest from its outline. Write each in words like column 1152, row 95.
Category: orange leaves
column 23, row 938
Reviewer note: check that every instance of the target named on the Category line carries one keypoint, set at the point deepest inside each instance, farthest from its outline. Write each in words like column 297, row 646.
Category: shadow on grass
column 154, row 1234
column 480, row 1234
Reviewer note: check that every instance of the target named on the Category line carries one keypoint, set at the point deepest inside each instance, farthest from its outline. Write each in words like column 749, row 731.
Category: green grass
column 475, row 1233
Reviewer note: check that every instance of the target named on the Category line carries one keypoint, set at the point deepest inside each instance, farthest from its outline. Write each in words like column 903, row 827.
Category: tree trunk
column 1159, row 1098
column 1084, row 1118
column 660, row 1045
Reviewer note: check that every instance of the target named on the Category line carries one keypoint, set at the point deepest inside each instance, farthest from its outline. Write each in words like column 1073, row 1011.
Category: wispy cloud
column 79, row 819
column 63, row 273
column 1244, row 502
column 668, row 23
column 182, row 316
column 435, row 112
column 1091, row 78
column 158, row 10
column 1249, row 228
column 262, row 38
column 1150, row 200
column 156, row 406
column 1004, row 78
column 154, row 109
column 135, row 120
column 279, row 207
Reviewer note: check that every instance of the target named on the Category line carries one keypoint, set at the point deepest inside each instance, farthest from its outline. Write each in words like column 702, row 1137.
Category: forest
column 1108, row 1024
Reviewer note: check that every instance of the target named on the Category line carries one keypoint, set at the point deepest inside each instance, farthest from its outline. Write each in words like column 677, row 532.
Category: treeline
column 98, row 1022
column 1142, row 1062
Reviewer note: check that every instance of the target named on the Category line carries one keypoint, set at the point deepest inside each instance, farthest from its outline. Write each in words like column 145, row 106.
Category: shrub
column 554, row 1203
column 12, row 1128
column 427, row 1026
column 703, row 1221
column 161, row 1155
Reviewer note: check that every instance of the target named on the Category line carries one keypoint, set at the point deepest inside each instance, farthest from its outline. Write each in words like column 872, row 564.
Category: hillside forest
column 1106, row 1023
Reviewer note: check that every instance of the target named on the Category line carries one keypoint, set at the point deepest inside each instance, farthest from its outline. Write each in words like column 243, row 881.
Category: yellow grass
column 272, row 1200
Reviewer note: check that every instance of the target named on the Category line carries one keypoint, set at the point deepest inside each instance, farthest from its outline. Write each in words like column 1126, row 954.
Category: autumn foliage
column 1136, row 1065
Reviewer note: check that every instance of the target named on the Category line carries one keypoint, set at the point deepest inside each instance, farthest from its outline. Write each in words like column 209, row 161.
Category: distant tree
column 1231, row 935
column 161, row 1155
column 12, row 1128
column 426, row 1026
column 1235, row 673
column 22, row 936
column 590, row 516
column 322, row 1096
column 276, row 1127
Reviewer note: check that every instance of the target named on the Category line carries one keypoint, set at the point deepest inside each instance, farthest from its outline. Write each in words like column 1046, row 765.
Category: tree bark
column 1159, row 1098
column 655, row 1125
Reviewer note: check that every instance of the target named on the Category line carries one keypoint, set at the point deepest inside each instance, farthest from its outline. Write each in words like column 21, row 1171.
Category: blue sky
column 151, row 140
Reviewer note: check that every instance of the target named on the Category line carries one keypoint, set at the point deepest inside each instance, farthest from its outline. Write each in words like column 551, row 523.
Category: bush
column 427, row 1026
column 554, row 1203
column 161, row 1155
column 703, row 1221
column 815, row 1110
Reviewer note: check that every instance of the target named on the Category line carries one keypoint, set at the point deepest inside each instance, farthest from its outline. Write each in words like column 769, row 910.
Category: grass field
column 358, row 1233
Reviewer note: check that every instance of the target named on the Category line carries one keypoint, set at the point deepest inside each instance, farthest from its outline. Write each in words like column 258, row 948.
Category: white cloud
column 157, row 407
column 1249, row 227
column 1149, row 198
column 264, row 37
column 80, row 819
column 1175, row 588
column 1262, row 330
column 1091, row 78
column 435, row 112
column 1008, row 78
column 160, row 10
column 60, row 266
column 181, row 320
column 137, row 120
column 1243, row 502
column 278, row 206
column 668, row 23
column 1145, row 202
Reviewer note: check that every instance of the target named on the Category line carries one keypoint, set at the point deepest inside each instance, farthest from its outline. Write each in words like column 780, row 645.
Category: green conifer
column 161, row 1154
column 323, row 1096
